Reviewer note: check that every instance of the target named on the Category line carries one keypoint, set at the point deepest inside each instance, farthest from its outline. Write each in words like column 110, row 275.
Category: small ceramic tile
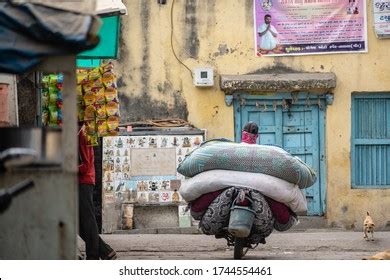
column 154, row 197
column 186, row 142
column 120, row 186
column 175, row 196
column 109, row 198
column 165, row 185
column 142, row 186
column 166, row 196
column 175, row 184
column 152, row 142
column 108, row 186
column 164, row 142
column 142, row 197
column 120, row 142
column 153, row 185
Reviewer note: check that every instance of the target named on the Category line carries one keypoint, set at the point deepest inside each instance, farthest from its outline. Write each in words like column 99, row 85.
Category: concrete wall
column 40, row 223
column 153, row 84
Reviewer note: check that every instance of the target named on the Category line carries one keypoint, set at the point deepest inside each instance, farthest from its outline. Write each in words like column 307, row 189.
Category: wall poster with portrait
column 304, row 27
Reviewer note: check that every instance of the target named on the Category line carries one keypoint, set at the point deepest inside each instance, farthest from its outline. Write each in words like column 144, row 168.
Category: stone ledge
column 307, row 82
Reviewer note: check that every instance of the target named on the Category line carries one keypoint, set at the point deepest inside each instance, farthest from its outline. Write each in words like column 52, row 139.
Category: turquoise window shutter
column 370, row 141
column 109, row 40
column 87, row 63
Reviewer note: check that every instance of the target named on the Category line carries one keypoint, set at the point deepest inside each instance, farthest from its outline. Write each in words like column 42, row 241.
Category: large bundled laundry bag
column 270, row 186
column 226, row 155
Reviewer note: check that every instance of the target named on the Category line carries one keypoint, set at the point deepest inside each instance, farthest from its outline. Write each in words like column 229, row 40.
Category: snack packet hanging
column 102, row 128
column 80, row 101
column 80, row 114
column 92, row 140
column 45, row 117
column 113, row 125
column 79, row 90
column 99, row 93
column 101, row 112
column 97, row 83
column 87, row 87
column 45, row 98
column 89, row 113
column 90, row 127
column 53, row 96
column 82, row 77
column 106, row 67
column 111, row 94
column 55, row 116
column 112, row 109
column 89, row 98
column 45, row 81
column 94, row 74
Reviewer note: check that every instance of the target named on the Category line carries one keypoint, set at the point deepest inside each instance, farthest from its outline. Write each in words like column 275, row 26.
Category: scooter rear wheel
column 239, row 248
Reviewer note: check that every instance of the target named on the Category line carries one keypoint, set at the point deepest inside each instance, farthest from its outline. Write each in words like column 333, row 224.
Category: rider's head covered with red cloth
column 250, row 133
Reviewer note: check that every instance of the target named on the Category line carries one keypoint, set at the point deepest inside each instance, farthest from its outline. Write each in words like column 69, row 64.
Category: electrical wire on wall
column 173, row 49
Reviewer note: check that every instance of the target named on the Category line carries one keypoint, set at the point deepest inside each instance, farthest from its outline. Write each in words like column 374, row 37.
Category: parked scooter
column 240, row 224
column 241, row 221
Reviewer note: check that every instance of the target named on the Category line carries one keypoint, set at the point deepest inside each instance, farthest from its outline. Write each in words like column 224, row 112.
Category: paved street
column 319, row 244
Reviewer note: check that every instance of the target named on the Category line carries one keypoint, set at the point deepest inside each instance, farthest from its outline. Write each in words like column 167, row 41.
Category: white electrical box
column 203, row 77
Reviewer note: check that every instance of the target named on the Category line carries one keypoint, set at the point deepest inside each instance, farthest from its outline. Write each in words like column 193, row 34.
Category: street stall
column 97, row 96
column 40, row 223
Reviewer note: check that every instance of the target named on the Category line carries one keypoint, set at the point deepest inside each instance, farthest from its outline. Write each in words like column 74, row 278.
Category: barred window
column 370, row 140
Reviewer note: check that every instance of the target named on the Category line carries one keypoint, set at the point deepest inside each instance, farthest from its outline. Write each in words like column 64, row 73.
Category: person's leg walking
column 105, row 250
column 88, row 229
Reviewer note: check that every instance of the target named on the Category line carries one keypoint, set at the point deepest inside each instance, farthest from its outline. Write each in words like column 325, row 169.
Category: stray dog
column 385, row 255
column 368, row 227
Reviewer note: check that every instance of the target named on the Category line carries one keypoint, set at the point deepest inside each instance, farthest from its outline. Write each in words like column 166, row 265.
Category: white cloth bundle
column 278, row 189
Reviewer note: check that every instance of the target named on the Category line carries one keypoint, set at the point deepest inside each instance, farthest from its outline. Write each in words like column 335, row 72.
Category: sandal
column 111, row 256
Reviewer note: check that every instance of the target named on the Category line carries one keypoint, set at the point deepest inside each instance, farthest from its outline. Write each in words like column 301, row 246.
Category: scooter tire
column 239, row 248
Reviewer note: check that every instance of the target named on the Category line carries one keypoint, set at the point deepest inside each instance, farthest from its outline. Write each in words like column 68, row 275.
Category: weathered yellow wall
column 220, row 34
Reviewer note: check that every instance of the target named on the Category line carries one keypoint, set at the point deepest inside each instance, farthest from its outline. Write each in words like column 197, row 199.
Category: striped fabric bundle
column 270, row 160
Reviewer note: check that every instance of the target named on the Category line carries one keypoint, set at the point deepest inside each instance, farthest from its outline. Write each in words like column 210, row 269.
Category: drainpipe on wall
column 8, row 101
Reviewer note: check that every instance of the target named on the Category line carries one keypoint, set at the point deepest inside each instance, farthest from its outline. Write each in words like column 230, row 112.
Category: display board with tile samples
column 141, row 171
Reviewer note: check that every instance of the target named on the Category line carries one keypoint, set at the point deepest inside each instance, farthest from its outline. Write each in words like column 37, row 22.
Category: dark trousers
column 95, row 247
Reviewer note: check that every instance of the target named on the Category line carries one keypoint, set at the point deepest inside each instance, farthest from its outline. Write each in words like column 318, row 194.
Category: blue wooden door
column 295, row 124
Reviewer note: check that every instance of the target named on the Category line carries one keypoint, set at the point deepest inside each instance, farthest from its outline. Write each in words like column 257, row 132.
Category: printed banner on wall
column 381, row 9
column 304, row 27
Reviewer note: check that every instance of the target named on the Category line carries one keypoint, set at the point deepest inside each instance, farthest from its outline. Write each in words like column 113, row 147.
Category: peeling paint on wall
column 135, row 108
column 145, row 67
column 222, row 50
column 249, row 13
column 276, row 68
column 211, row 20
column 164, row 87
column 191, row 29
